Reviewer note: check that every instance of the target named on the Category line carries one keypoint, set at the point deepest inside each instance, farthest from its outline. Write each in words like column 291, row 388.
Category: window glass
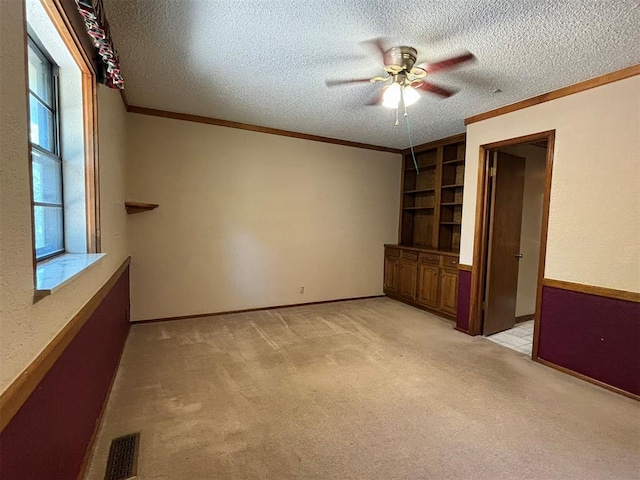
column 42, row 127
column 47, row 178
column 40, row 76
column 48, row 230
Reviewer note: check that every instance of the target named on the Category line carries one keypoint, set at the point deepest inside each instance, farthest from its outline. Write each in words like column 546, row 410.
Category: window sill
column 52, row 274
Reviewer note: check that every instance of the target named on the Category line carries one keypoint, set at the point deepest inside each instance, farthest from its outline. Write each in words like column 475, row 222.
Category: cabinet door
column 408, row 274
column 428, row 285
column 449, row 291
column 391, row 274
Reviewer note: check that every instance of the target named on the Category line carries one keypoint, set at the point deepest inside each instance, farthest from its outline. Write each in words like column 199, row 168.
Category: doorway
column 510, row 240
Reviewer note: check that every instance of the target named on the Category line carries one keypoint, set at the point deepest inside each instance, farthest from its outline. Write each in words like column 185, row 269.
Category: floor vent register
column 123, row 458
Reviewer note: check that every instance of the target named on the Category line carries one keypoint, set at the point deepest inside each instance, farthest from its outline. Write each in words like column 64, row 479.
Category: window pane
column 40, row 77
column 41, row 131
column 47, row 178
column 48, row 230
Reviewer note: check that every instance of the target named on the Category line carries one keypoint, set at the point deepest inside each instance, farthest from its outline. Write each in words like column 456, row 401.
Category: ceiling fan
column 403, row 77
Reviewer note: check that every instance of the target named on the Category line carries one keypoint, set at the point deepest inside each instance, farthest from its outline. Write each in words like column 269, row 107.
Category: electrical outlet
column 301, row 289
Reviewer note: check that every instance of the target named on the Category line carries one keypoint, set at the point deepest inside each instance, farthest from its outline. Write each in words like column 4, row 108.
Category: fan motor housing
column 401, row 58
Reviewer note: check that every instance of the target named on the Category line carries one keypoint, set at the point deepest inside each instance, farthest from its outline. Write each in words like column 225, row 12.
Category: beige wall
column 531, row 227
column 594, row 219
column 247, row 218
column 26, row 328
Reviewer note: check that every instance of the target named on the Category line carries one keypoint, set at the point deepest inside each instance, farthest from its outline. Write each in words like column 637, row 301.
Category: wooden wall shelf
column 137, row 207
column 457, row 160
column 424, row 190
column 420, row 167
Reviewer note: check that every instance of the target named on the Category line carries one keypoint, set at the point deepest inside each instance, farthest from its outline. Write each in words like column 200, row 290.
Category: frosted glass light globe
column 411, row 96
column 391, row 96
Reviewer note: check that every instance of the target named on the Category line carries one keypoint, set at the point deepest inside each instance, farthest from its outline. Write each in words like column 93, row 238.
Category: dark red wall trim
column 464, row 300
column 48, row 436
column 596, row 336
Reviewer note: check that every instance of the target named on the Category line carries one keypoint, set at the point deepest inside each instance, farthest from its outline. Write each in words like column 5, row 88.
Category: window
column 46, row 161
column 63, row 150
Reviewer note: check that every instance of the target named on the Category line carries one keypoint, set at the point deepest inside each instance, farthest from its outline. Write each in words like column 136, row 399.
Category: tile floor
column 519, row 338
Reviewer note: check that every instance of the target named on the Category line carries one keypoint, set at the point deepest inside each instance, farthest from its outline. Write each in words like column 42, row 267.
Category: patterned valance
column 98, row 29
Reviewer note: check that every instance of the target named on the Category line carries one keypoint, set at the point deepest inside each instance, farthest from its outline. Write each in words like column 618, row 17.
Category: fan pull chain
column 406, row 117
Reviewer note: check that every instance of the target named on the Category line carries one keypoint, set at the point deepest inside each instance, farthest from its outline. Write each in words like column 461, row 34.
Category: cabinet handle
column 452, row 262
column 435, row 273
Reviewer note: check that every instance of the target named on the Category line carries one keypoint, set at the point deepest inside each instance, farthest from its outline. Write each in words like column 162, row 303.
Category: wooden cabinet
column 448, row 296
column 428, row 285
column 425, row 279
column 391, row 265
column 408, row 276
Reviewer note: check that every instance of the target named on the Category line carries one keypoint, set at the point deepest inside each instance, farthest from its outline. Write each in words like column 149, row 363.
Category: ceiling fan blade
column 377, row 44
column 335, row 83
column 430, row 87
column 376, row 99
column 447, row 64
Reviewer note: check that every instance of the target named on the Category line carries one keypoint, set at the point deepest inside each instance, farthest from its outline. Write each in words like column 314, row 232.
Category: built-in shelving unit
column 137, row 207
column 422, row 268
column 432, row 196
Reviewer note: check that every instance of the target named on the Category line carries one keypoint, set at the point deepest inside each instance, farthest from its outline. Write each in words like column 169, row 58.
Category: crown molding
column 555, row 94
column 255, row 128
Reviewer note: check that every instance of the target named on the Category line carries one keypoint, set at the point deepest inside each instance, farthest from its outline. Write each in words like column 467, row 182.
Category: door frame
column 481, row 231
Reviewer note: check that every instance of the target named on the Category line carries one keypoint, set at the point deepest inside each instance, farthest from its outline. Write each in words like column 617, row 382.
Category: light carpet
column 367, row 389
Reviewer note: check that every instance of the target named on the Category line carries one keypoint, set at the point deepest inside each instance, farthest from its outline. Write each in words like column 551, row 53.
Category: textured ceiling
column 264, row 62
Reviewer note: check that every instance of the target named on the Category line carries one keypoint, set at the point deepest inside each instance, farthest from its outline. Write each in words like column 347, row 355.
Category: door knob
column 517, row 255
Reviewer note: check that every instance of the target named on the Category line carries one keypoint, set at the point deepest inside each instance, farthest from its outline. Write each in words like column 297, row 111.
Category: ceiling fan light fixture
column 406, row 78
column 391, row 95
column 395, row 93
column 411, row 95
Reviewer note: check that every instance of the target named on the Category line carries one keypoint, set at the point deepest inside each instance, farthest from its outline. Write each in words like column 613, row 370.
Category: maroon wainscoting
column 48, row 436
column 464, row 300
column 596, row 336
